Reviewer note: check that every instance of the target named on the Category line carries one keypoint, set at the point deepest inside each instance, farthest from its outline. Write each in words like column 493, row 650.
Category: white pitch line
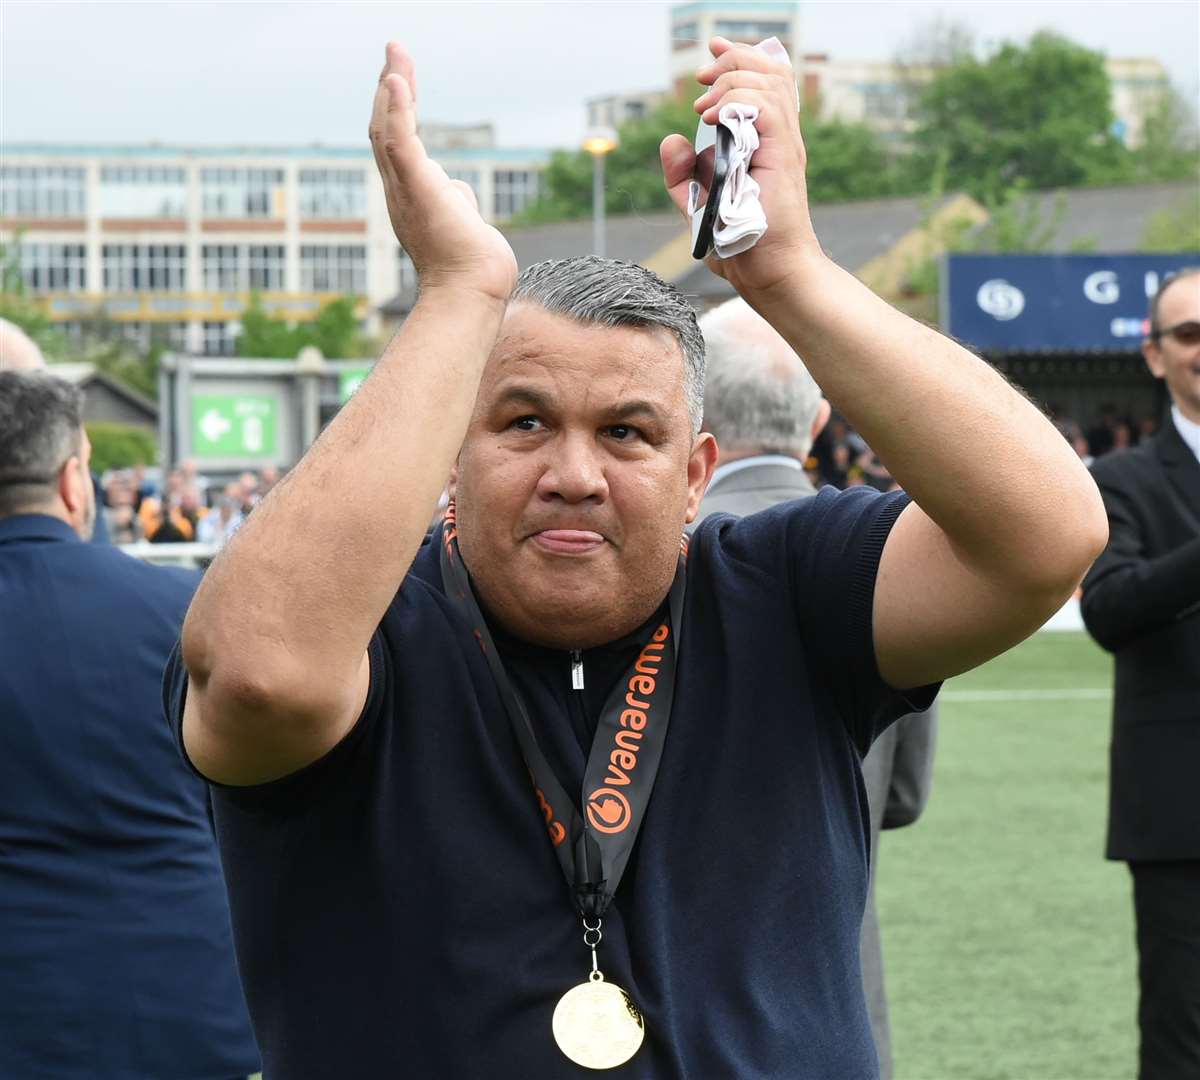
column 1070, row 694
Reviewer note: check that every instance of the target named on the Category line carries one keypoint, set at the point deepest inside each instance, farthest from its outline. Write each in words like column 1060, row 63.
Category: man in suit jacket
column 1141, row 601
column 765, row 410
column 115, row 943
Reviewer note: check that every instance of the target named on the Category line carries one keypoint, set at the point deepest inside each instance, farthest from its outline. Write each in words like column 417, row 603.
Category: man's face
column 577, row 474
column 1171, row 360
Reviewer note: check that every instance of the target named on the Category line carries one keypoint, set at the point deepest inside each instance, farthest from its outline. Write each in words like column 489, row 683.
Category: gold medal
column 597, row 1025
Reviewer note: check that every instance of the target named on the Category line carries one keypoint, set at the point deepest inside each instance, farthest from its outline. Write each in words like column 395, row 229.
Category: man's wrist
column 805, row 271
column 455, row 291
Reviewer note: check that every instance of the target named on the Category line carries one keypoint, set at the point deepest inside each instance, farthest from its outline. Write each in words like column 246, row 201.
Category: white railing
column 194, row 555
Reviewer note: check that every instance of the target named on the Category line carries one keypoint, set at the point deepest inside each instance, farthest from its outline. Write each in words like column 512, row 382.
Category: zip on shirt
column 576, row 669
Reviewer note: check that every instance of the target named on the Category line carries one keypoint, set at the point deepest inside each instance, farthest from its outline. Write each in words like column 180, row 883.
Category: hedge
column 118, row 446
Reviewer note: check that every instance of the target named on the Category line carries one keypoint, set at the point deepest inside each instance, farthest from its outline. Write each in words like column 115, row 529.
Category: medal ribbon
column 592, row 841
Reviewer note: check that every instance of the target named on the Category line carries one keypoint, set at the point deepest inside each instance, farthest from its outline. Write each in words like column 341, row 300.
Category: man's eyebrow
column 519, row 394
column 629, row 410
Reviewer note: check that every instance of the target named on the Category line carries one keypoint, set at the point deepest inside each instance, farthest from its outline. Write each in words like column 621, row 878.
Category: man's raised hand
column 743, row 74
column 436, row 219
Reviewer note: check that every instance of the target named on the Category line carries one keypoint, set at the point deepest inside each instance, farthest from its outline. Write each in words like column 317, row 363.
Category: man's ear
column 701, row 463
column 70, row 481
column 1152, row 354
column 824, row 410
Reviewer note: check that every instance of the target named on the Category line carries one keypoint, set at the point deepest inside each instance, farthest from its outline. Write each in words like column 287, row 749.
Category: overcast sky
column 303, row 72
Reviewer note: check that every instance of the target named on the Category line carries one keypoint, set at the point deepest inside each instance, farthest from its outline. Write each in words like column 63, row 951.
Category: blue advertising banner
column 1068, row 303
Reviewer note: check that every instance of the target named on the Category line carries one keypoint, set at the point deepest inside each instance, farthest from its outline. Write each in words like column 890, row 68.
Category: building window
column 142, row 192
column 38, row 191
column 144, row 267
column 266, row 266
column 514, row 190
column 408, row 272
column 469, row 177
column 242, row 193
column 219, row 339
column 884, row 101
column 136, row 334
column 685, row 35
column 169, row 335
column 224, row 267
column 333, row 193
column 333, row 268
column 239, row 267
column 53, row 267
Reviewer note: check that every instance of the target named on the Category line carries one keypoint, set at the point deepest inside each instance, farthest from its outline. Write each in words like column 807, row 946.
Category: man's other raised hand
column 740, row 73
column 436, row 219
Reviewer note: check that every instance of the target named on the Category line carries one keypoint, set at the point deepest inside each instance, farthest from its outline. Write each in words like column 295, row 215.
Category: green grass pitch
column 1008, row 939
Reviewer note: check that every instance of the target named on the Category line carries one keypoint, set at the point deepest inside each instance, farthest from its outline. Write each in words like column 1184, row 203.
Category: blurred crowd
column 183, row 506
column 840, row 455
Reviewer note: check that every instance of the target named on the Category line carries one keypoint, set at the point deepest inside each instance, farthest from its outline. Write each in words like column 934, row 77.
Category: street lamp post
column 599, row 142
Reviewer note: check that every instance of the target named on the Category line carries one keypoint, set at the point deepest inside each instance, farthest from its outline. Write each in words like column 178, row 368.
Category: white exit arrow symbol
column 213, row 425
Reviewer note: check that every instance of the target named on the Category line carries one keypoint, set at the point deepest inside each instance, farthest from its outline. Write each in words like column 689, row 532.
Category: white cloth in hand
column 740, row 217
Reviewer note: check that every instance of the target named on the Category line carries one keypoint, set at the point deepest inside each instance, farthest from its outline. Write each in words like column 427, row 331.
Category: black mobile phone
column 714, row 146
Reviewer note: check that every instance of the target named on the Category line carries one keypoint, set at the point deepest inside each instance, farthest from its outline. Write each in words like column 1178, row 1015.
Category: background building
column 884, row 94
column 879, row 93
column 693, row 24
column 169, row 242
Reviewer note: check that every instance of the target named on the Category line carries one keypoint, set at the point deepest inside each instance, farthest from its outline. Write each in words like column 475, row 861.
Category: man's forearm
column 295, row 597
column 977, row 457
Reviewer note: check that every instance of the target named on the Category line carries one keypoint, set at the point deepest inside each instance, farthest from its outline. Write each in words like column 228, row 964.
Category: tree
column 633, row 175
column 118, row 446
column 846, row 161
column 1177, row 229
column 1169, row 149
column 334, row 331
column 1037, row 115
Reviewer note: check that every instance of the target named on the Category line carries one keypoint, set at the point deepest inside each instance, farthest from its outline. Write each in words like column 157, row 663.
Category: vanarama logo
column 608, row 808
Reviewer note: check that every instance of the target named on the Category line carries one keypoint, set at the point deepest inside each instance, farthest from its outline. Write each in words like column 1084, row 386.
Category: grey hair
column 760, row 395
column 607, row 292
column 41, row 420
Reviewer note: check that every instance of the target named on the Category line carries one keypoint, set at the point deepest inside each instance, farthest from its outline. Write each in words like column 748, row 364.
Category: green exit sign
column 234, row 425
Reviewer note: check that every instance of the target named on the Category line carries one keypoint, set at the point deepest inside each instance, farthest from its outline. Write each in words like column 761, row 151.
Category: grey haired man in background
column 765, row 410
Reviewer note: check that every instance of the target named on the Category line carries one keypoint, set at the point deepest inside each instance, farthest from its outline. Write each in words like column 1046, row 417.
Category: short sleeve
column 835, row 551
column 302, row 782
column 830, row 546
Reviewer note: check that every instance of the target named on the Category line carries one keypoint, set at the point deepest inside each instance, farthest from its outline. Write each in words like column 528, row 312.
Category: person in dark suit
column 1141, row 602
column 765, row 410
column 115, row 943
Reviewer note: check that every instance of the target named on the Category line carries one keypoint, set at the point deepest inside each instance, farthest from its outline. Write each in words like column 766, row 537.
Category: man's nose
column 574, row 470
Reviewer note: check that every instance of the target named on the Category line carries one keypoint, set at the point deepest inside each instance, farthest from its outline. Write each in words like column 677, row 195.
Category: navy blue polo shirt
column 116, row 952
column 398, row 909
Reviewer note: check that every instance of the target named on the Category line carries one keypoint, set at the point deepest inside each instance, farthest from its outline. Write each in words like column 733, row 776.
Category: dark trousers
column 1166, row 902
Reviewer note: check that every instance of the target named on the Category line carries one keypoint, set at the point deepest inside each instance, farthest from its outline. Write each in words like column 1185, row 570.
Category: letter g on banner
column 1000, row 300
column 608, row 810
column 1102, row 287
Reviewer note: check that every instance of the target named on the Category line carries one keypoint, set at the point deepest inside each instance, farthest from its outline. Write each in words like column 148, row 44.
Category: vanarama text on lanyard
column 596, row 1024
